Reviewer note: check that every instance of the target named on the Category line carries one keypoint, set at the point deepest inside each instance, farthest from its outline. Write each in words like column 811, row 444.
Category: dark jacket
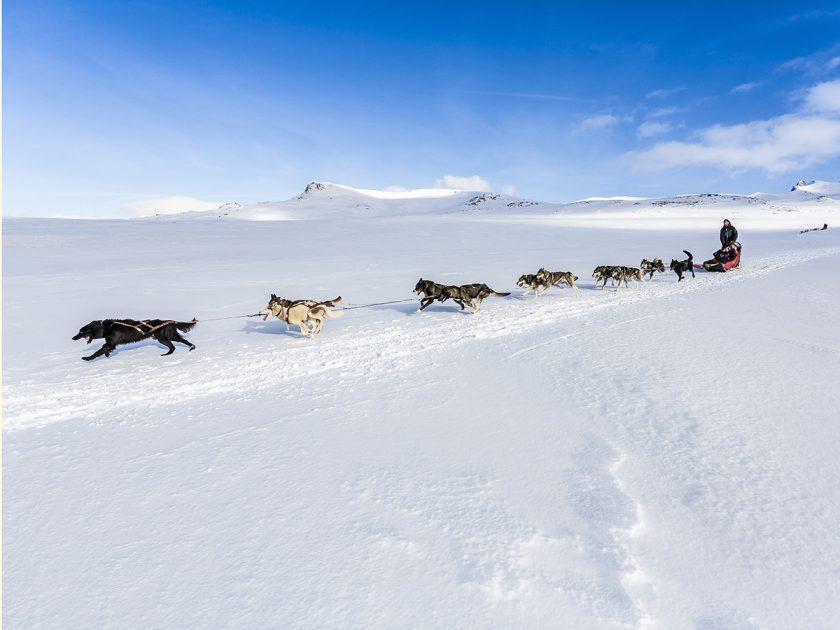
column 728, row 235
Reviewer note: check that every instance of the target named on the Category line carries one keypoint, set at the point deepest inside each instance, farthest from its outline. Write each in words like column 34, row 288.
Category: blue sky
column 112, row 108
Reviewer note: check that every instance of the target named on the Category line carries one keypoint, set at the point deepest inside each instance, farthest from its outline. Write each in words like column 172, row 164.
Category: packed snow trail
column 359, row 349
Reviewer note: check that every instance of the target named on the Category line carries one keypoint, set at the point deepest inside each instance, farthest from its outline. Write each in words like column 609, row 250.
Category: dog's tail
column 501, row 294
column 185, row 326
column 687, row 253
column 576, row 278
column 333, row 302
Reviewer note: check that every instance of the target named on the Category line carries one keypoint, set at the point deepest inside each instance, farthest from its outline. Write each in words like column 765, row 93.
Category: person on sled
column 727, row 254
column 725, row 258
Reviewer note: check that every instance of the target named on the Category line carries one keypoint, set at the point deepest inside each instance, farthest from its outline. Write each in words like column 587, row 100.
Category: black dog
column 119, row 331
column 681, row 266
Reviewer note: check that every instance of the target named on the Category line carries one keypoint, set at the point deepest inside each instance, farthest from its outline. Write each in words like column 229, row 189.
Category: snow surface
column 661, row 456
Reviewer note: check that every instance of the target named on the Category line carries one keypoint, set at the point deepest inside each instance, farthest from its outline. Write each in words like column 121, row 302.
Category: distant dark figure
column 728, row 234
column 824, row 227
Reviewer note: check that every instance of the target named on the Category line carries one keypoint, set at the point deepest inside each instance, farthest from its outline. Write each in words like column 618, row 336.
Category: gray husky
column 534, row 283
column 479, row 292
column 471, row 295
column 623, row 274
column 604, row 272
column 649, row 266
column 435, row 292
column 556, row 278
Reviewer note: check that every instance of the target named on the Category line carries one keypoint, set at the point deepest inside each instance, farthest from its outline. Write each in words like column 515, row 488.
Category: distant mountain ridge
column 327, row 200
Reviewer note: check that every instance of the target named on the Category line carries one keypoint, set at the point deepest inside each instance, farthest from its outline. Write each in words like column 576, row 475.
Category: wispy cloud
column 665, row 92
column 651, row 128
column 816, row 14
column 601, row 121
column 530, row 95
column 777, row 145
column 473, row 182
column 745, row 87
column 661, row 112
column 815, row 64
column 168, row 205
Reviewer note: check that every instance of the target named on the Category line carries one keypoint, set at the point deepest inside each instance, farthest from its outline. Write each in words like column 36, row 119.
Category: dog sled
column 722, row 260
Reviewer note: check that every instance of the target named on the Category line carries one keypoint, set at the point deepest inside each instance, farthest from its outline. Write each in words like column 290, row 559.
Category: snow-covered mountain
column 328, row 201
column 324, row 200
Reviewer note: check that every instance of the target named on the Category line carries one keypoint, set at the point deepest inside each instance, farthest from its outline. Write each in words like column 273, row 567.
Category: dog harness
column 149, row 328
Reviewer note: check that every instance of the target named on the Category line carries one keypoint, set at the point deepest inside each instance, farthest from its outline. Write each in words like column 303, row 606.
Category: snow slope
column 661, row 456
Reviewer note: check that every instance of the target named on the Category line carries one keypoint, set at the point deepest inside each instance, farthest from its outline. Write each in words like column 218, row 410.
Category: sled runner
column 720, row 262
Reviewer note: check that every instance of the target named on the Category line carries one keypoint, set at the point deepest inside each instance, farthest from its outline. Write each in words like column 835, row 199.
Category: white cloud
column 168, row 205
column 776, row 145
column 509, row 189
column 833, row 63
column 651, row 128
column 665, row 92
column 463, row 183
column 824, row 97
column 744, row 88
column 601, row 121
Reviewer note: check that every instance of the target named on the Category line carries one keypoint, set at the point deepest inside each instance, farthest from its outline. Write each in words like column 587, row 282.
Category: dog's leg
column 427, row 301
column 177, row 337
column 168, row 344
column 107, row 349
column 692, row 270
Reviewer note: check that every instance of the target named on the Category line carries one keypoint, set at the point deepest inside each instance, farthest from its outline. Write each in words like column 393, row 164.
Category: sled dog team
column 309, row 315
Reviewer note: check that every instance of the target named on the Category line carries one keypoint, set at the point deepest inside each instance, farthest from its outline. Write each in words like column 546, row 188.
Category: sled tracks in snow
column 121, row 390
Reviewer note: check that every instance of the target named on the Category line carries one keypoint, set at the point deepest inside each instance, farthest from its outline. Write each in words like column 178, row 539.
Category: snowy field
column 661, row 456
